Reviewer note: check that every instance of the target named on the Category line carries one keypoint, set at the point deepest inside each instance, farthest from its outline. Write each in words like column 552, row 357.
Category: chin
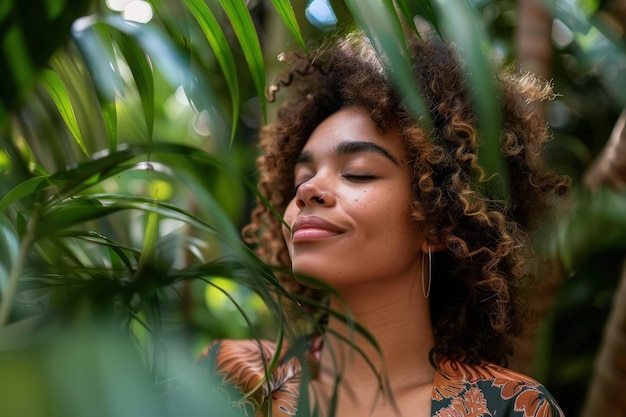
column 309, row 277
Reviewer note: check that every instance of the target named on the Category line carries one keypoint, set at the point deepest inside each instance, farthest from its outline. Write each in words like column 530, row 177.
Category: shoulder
column 488, row 389
column 262, row 375
column 242, row 362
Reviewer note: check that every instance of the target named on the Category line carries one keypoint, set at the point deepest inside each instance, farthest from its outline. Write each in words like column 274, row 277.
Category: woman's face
column 350, row 216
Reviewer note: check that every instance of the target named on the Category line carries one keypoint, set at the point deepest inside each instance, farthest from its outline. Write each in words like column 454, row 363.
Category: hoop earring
column 426, row 292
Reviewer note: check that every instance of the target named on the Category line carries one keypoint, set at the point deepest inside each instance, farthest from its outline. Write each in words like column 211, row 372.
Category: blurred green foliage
column 126, row 170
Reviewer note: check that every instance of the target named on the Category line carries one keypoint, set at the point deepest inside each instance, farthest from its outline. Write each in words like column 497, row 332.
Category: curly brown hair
column 476, row 298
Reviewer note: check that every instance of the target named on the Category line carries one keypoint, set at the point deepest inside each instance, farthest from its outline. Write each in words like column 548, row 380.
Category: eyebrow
column 351, row 148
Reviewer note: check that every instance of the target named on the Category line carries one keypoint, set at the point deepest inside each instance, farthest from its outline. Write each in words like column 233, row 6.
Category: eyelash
column 359, row 177
column 364, row 177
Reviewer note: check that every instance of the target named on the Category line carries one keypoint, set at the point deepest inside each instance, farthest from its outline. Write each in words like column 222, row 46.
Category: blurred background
column 127, row 149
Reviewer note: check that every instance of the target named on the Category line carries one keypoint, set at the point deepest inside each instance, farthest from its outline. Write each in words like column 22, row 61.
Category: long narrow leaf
column 9, row 248
column 381, row 24
column 116, row 248
column 245, row 31
column 165, row 56
column 58, row 93
column 460, row 23
column 22, row 190
column 96, row 47
column 149, row 242
column 15, row 272
column 285, row 11
column 144, row 80
column 215, row 35
column 423, row 8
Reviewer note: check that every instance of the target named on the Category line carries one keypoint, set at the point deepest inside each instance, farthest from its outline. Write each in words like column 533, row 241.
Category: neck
column 396, row 314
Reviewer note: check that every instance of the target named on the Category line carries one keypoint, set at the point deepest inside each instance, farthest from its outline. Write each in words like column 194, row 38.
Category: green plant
column 120, row 201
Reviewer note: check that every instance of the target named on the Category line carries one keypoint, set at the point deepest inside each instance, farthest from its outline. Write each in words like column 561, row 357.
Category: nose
column 311, row 193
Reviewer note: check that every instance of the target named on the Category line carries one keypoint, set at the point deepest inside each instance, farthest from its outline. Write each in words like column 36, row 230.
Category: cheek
column 289, row 217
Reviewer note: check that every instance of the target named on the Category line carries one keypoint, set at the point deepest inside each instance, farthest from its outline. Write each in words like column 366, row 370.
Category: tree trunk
column 534, row 54
column 534, row 38
column 610, row 167
column 607, row 389
column 607, row 393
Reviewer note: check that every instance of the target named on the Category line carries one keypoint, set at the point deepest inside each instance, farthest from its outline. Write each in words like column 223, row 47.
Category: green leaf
column 382, row 26
column 58, row 93
column 116, row 251
column 285, row 11
column 109, row 114
column 96, row 46
column 92, row 171
column 144, row 79
column 461, row 23
column 70, row 213
column 214, row 34
column 151, row 235
column 165, row 56
column 66, row 213
column 31, row 31
column 22, row 190
column 422, row 8
column 245, row 31
column 163, row 53
column 9, row 248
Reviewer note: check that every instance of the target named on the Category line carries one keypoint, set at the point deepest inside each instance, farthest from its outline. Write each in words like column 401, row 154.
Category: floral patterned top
column 458, row 390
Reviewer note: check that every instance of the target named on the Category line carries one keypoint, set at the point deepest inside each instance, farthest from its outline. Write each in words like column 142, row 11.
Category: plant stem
column 16, row 270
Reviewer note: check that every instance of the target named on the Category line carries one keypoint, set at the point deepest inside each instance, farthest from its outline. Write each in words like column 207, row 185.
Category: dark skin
column 480, row 245
column 360, row 239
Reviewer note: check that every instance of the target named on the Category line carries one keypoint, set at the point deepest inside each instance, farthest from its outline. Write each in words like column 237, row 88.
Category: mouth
column 313, row 228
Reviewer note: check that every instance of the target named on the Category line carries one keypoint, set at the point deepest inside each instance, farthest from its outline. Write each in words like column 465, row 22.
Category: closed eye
column 359, row 177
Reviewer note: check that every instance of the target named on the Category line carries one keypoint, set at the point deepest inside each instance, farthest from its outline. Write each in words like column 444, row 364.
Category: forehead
column 353, row 124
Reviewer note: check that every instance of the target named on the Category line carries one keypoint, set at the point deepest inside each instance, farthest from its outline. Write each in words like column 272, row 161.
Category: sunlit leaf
column 151, row 235
column 144, row 80
column 157, row 45
column 58, row 93
column 245, row 31
column 96, row 46
column 165, row 56
column 214, row 34
column 284, row 9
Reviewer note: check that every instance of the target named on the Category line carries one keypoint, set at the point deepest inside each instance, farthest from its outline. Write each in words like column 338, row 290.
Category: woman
column 396, row 216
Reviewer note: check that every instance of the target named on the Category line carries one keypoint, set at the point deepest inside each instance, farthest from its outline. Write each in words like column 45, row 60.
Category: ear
column 432, row 246
column 430, row 238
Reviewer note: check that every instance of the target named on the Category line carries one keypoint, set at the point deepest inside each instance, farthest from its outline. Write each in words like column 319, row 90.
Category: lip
column 313, row 228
